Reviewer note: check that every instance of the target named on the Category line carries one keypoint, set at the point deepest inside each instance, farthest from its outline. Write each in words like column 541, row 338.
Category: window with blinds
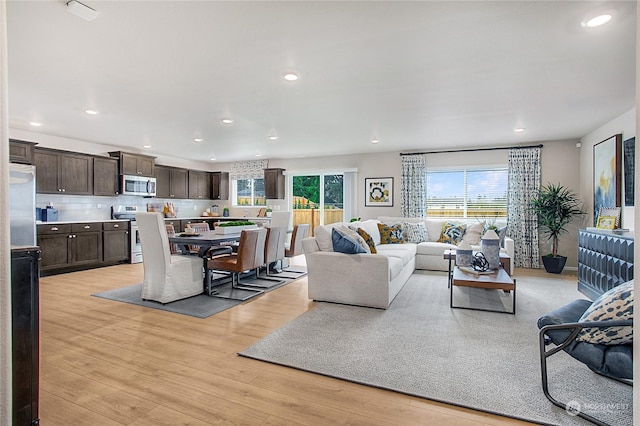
column 468, row 192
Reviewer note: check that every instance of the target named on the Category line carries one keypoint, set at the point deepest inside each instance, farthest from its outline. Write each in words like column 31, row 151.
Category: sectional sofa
column 374, row 279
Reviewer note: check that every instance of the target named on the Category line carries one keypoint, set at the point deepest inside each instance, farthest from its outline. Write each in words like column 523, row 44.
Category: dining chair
column 198, row 227
column 273, row 252
column 280, row 219
column 167, row 277
column 293, row 249
column 173, row 247
column 250, row 257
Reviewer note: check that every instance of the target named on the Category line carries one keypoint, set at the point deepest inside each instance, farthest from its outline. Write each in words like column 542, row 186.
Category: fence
column 312, row 216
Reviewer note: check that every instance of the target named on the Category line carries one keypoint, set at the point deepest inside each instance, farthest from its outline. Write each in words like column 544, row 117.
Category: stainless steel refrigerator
column 22, row 204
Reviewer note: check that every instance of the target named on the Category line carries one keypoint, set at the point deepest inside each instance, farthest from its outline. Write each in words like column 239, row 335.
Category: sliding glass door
column 318, row 199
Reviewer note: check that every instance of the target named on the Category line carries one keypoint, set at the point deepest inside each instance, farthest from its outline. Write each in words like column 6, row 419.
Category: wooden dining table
column 205, row 240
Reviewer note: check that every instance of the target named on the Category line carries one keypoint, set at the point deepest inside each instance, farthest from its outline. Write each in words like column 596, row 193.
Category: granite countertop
column 62, row 222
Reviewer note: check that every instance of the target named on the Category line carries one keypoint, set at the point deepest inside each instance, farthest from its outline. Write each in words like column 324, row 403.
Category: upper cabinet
column 63, row 172
column 135, row 164
column 105, row 176
column 199, row 185
column 171, row 182
column 219, row 185
column 274, row 184
column 21, row 151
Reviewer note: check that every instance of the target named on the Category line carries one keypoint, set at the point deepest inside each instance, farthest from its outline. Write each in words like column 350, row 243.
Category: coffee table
column 499, row 280
column 450, row 254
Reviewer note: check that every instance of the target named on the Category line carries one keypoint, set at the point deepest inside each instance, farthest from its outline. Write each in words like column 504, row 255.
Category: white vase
column 490, row 247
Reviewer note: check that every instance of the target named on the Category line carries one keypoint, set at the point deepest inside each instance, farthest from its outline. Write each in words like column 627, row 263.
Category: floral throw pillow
column 452, row 233
column 415, row 232
column 391, row 234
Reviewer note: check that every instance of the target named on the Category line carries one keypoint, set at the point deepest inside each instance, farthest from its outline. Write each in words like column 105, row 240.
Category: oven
column 129, row 212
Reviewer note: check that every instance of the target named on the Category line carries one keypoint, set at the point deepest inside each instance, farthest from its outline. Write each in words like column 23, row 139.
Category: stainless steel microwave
column 138, row 185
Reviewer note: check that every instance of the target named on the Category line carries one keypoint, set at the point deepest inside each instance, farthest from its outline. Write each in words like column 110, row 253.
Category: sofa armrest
column 509, row 247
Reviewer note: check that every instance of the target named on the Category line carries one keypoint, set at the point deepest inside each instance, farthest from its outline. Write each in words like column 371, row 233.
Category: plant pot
column 554, row 265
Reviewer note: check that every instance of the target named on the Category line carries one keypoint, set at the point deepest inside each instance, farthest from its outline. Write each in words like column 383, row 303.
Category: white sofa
column 371, row 280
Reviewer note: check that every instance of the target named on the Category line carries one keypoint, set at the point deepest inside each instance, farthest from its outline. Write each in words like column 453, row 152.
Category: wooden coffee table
column 499, row 280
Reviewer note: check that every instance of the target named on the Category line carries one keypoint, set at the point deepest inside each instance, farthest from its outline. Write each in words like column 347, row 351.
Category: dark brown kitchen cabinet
column 199, row 185
column 274, row 184
column 219, row 185
column 115, row 240
column 63, row 172
column 135, row 164
column 70, row 245
column 172, row 182
column 21, row 151
column 105, row 176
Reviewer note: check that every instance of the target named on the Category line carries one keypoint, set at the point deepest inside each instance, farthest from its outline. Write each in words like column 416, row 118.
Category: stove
column 129, row 212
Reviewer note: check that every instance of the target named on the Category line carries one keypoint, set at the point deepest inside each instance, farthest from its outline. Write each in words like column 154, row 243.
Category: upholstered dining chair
column 250, row 257
column 167, row 277
column 273, row 252
column 197, row 227
column 173, row 247
column 294, row 248
column 280, row 219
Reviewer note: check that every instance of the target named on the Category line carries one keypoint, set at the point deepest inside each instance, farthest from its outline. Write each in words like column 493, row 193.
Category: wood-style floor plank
column 112, row 363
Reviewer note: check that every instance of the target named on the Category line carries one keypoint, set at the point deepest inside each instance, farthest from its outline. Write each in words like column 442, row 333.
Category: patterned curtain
column 524, row 184
column 413, row 186
column 248, row 169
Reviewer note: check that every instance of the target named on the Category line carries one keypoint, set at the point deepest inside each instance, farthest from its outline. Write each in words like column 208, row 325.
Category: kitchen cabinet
column 115, row 240
column 135, row 164
column 219, row 185
column 63, row 172
column 172, row 182
column 21, row 151
column 199, row 185
column 70, row 245
column 274, row 184
column 105, row 176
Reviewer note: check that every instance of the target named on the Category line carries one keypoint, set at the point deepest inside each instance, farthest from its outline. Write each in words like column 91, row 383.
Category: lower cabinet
column 115, row 239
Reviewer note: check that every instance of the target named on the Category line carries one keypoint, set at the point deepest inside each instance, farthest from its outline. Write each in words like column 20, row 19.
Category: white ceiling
column 416, row 75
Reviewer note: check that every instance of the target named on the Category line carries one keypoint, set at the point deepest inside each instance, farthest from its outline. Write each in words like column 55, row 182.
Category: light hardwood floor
column 111, row 363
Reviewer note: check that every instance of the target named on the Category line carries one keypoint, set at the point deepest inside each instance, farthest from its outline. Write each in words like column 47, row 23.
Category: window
column 469, row 192
column 248, row 192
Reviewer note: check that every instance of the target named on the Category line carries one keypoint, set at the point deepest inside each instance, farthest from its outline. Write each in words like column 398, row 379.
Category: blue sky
column 451, row 184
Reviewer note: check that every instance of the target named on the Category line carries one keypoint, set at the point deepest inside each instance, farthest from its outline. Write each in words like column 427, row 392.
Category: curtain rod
column 471, row 150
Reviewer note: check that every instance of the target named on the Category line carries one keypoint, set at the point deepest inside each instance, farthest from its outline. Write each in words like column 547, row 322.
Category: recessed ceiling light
column 198, row 140
column 258, row 154
column 375, row 140
column 519, row 129
column 90, row 111
column 227, row 120
column 290, row 76
column 35, row 124
column 146, row 146
column 597, row 21
column 273, row 137
column 212, row 159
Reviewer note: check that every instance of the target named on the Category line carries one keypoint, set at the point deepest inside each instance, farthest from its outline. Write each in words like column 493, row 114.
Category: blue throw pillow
column 344, row 243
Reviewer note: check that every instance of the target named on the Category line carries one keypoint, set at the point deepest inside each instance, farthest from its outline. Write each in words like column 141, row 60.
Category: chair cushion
column 391, row 234
column 452, row 233
column 343, row 243
column 615, row 304
column 415, row 232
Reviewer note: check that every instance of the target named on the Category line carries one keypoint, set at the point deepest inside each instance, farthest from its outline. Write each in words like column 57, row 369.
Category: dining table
column 206, row 240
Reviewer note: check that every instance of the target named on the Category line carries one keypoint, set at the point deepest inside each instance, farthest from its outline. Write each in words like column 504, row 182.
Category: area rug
column 200, row 306
column 480, row 360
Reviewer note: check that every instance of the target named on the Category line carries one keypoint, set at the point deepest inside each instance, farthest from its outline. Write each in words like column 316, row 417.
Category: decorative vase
column 464, row 254
column 490, row 247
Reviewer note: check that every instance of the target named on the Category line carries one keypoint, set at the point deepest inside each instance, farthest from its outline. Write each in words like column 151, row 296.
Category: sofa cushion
column 473, row 233
column 323, row 237
column 343, row 243
column 415, row 232
column 434, row 228
column 404, row 255
column 367, row 239
column 371, row 227
column 395, row 267
column 391, row 234
column 452, row 233
column 434, row 249
column 615, row 304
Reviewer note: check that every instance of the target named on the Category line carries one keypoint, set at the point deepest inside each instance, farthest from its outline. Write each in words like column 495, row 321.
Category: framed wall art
column 378, row 192
column 607, row 174
column 629, row 171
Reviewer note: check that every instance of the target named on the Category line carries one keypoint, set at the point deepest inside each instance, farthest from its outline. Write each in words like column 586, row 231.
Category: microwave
column 138, row 185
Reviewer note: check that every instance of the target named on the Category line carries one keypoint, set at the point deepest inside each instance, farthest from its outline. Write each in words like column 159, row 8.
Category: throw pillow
column 502, row 232
column 415, row 232
column 344, row 243
column 473, row 233
column 452, row 233
column 354, row 234
column 391, row 234
column 615, row 304
column 367, row 238
column 323, row 238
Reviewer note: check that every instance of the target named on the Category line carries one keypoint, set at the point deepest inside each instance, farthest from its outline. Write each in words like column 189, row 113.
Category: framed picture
column 607, row 174
column 629, row 170
column 606, row 222
column 611, row 212
column 378, row 192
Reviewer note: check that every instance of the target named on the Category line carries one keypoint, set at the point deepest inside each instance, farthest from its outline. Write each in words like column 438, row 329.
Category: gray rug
column 480, row 360
column 200, row 306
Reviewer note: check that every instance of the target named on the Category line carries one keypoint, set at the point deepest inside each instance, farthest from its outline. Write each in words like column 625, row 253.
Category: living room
column 98, row 353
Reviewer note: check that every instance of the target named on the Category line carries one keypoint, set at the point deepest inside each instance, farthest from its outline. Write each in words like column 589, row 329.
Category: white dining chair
column 280, row 220
column 167, row 277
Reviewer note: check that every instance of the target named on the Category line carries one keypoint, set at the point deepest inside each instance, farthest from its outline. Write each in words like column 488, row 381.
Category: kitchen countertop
column 62, row 222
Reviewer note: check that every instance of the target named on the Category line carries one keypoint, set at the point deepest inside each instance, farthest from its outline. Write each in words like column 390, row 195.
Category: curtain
column 413, row 186
column 522, row 223
column 248, row 169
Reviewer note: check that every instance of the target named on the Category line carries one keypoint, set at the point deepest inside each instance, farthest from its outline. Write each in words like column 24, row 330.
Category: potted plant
column 555, row 206
column 269, row 211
